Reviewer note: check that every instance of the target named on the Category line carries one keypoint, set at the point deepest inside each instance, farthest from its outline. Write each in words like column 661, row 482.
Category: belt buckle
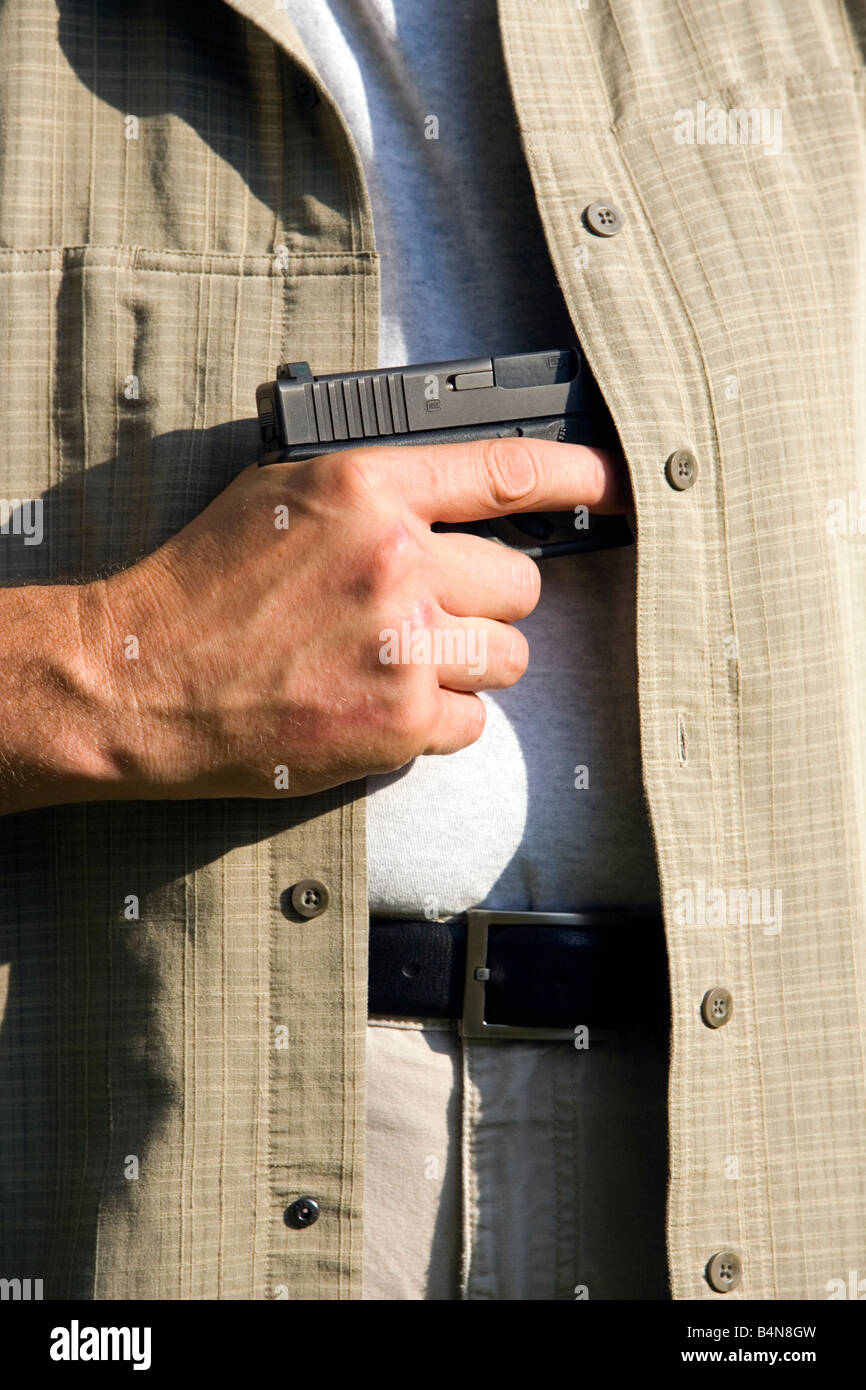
column 472, row 1024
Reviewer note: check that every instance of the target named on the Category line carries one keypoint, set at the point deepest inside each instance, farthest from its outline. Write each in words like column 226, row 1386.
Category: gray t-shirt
column 466, row 272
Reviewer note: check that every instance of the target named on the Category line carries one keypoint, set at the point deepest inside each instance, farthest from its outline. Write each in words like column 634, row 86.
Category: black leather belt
column 524, row 974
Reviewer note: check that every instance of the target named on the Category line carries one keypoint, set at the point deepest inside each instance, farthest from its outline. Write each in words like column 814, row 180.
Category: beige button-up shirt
column 178, row 214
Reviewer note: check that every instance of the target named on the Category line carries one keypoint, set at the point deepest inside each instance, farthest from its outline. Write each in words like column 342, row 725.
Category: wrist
column 56, row 742
column 123, row 689
column 151, row 745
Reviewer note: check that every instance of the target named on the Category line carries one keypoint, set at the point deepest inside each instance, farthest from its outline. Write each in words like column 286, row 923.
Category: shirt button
column 303, row 1212
column 310, row 897
column 724, row 1271
column 603, row 219
column 681, row 469
column 717, row 1006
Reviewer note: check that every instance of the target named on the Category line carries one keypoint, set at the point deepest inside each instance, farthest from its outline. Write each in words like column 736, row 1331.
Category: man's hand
column 309, row 627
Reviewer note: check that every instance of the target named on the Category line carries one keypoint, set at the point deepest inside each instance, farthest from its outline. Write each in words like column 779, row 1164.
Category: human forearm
column 246, row 659
column 53, row 710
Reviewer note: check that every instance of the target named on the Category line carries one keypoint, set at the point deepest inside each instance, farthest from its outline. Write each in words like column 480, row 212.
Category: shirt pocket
column 128, row 386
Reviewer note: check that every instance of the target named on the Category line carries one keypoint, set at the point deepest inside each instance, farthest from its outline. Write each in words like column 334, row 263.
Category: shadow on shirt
column 88, row 1076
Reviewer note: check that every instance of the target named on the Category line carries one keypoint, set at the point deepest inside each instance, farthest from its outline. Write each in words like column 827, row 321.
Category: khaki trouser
column 513, row 1170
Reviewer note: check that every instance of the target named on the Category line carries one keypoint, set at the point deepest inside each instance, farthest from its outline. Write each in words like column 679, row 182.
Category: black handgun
column 546, row 395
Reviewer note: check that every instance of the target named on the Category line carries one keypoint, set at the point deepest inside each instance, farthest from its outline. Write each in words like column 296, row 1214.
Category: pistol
column 543, row 395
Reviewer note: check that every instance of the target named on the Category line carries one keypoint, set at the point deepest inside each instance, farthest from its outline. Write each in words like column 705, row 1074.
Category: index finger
column 494, row 477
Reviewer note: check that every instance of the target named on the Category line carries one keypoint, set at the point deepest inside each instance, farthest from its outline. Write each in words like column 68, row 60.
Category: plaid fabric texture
column 182, row 207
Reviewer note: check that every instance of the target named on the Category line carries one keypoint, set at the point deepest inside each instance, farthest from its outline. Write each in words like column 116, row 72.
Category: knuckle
column 356, row 472
column 511, row 470
column 402, row 632
column 389, row 559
